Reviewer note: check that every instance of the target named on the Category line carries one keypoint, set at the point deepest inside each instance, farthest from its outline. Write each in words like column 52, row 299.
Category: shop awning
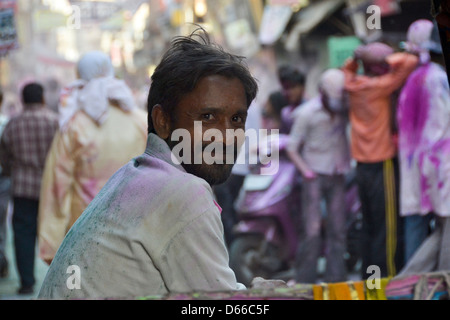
column 308, row 18
column 274, row 21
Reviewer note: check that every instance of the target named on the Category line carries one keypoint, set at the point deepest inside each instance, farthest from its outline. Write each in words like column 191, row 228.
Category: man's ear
column 161, row 122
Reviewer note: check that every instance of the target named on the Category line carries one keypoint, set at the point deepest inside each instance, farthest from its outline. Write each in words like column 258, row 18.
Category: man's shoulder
column 157, row 191
column 13, row 123
column 50, row 115
column 44, row 113
column 170, row 176
column 307, row 108
column 438, row 74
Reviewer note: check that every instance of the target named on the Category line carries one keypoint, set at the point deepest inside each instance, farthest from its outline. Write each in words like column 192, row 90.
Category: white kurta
column 153, row 229
column 424, row 142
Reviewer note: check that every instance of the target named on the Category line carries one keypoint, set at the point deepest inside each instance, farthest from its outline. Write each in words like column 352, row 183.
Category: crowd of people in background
column 388, row 111
column 398, row 146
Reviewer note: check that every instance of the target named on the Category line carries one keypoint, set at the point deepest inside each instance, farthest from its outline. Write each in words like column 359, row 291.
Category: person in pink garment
column 424, row 151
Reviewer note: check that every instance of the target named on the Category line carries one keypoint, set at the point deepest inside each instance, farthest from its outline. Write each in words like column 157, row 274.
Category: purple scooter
column 267, row 232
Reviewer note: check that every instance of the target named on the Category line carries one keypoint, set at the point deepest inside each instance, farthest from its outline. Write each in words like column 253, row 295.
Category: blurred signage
column 340, row 49
column 96, row 10
column 274, row 21
column 291, row 3
column 241, row 38
column 45, row 20
column 388, row 7
column 8, row 34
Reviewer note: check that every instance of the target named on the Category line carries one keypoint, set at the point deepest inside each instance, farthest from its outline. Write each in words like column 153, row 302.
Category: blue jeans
column 417, row 229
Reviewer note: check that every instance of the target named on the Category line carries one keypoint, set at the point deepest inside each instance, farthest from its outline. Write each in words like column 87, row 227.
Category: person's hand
column 261, row 283
column 350, row 63
column 309, row 175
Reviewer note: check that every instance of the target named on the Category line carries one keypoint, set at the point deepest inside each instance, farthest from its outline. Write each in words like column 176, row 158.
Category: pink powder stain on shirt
column 424, row 186
column 218, row 207
column 413, row 109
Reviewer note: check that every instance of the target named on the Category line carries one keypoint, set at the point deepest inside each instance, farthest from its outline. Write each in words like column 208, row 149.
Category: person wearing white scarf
column 94, row 90
column 101, row 129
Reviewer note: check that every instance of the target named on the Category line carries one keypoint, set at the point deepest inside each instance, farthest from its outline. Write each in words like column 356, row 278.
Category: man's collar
column 158, row 148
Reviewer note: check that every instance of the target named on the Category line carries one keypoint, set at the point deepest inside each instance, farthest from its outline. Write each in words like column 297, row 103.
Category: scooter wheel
column 248, row 261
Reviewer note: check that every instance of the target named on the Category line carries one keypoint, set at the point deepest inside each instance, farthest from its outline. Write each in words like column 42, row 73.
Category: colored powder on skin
column 413, row 109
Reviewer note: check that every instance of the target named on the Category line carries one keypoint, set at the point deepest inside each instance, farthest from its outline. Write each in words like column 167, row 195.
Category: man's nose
column 223, row 127
column 228, row 133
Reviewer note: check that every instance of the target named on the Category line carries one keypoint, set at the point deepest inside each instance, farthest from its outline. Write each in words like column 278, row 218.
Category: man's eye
column 238, row 119
column 207, row 116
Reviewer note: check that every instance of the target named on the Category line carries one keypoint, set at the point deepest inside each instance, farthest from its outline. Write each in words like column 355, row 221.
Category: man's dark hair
column 291, row 76
column 188, row 60
column 278, row 102
column 33, row 93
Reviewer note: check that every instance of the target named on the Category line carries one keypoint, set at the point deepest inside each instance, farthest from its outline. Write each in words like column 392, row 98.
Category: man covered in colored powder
column 292, row 82
column 424, row 150
column 155, row 228
column 374, row 149
column 319, row 149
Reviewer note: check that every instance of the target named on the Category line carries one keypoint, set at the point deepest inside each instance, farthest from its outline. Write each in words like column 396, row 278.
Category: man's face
column 293, row 93
column 217, row 103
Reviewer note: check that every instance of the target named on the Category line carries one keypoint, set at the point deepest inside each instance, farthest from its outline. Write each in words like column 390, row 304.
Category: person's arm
column 350, row 66
column 301, row 165
column 402, row 64
column 296, row 139
column 56, row 196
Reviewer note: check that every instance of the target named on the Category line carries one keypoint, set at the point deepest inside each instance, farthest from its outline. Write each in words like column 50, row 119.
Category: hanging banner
column 8, row 34
column 274, row 21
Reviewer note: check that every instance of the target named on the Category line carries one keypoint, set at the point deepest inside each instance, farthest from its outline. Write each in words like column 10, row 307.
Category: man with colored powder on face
column 374, row 149
column 155, row 229
column 424, row 150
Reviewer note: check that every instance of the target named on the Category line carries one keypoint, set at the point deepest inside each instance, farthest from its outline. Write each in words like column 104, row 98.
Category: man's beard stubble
column 215, row 173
